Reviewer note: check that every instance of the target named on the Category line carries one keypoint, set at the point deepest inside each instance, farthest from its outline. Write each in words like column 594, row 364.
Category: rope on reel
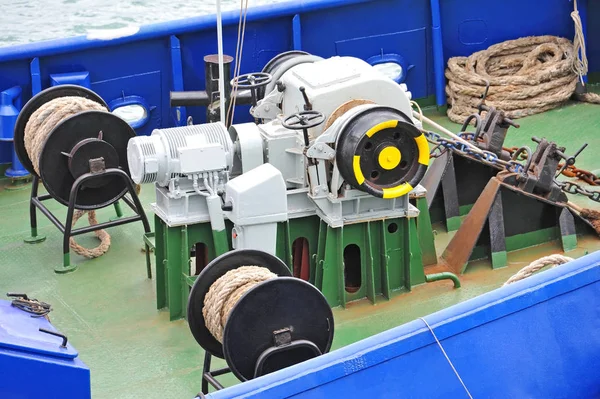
column 258, row 318
column 526, row 76
column 38, row 128
column 226, row 292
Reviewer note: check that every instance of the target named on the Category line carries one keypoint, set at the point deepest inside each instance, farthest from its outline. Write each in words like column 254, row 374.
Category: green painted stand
column 172, row 249
column 364, row 260
column 34, row 238
column 425, row 232
column 118, row 211
column 383, row 257
column 66, row 267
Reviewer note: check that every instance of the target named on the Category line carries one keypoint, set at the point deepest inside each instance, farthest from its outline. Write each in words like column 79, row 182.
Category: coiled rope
column 551, row 260
column 38, row 128
column 526, row 76
column 224, row 294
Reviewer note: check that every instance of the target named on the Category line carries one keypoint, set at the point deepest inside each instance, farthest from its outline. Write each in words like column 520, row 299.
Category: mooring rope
column 447, row 358
column 238, row 59
column 38, row 128
column 526, row 76
column 550, row 260
column 580, row 62
column 47, row 117
column 224, row 294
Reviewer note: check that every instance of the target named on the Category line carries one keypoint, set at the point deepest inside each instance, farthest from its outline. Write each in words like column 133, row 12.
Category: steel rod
column 48, row 214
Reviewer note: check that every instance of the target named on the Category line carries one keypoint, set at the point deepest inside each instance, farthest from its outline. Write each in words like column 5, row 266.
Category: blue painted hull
column 538, row 338
column 169, row 56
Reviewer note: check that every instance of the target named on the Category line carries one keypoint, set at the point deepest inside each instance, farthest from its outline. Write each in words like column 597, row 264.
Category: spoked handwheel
column 303, row 121
column 252, row 82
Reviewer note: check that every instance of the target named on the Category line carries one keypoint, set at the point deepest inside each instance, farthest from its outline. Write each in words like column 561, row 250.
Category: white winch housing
column 258, row 175
column 330, row 84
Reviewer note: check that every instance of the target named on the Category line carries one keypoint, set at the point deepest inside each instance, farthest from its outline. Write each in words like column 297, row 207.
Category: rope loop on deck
column 102, row 235
column 535, row 266
column 224, row 294
column 526, row 76
column 38, row 128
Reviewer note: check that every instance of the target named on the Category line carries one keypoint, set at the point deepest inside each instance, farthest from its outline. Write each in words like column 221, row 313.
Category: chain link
column 574, row 188
column 570, row 171
column 443, row 144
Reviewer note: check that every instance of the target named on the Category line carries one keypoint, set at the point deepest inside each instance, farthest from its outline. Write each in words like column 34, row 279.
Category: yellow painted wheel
column 381, row 152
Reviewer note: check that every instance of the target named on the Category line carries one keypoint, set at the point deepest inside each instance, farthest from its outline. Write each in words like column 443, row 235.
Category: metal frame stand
column 67, row 228
column 208, row 376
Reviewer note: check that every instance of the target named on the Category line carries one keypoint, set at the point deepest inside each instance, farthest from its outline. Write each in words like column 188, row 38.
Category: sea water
column 26, row 21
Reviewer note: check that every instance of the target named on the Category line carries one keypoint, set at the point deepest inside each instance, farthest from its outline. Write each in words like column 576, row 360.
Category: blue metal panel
column 75, row 78
column 33, row 364
column 10, row 105
column 369, row 29
column 141, row 69
column 593, row 35
column 539, row 337
column 468, row 27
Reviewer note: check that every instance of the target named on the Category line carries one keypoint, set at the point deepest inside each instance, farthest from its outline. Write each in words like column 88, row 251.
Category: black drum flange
column 70, row 146
column 381, row 152
column 211, row 273
column 34, row 104
column 275, row 324
column 286, row 302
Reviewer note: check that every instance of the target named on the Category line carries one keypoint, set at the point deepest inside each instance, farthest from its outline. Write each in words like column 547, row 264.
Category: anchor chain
column 443, row 144
column 569, row 171
column 487, row 157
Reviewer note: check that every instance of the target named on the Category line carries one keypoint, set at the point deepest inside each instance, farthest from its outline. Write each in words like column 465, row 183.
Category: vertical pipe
column 212, row 77
column 221, row 67
column 177, row 76
column 438, row 54
column 297, row 32
column 36, row 76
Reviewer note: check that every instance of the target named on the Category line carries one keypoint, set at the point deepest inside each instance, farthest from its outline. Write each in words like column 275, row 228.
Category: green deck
column 107, row 307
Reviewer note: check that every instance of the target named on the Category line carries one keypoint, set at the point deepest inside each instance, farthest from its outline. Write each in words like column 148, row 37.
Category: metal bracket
column 282, row 337
column 321, row 151
column 97, row 165
column 268, row 107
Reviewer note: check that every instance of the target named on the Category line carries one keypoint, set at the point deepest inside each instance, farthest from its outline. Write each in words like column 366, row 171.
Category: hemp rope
column 526, row 76
column 38, row 128
column 551, row 260
column 224, row 294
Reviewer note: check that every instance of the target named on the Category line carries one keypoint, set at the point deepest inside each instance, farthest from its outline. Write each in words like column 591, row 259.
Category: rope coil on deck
column 224, row 294
column 526, row 76
column 38, row 128
column 535, row 266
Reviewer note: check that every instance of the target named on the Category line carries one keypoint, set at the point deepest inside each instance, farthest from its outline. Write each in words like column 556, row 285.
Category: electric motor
column 167, row 153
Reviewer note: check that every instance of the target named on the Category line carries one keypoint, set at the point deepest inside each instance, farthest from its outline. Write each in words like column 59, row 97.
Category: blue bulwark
column 539, row 337
column 34, row 364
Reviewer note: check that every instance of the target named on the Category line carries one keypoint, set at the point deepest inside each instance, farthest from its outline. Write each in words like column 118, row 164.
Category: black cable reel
column 278, row 322
column 66, row 137
column 72, row 144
